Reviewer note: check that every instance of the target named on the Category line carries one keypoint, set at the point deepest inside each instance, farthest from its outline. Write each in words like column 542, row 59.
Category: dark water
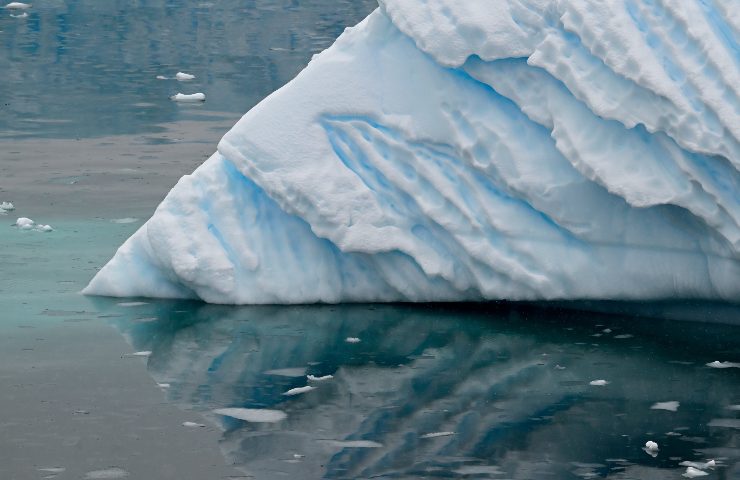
column 90, row 143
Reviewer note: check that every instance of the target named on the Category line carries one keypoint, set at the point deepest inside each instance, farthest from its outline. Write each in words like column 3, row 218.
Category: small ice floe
column 125, row 220
column 299, row 390
column 52, row 470
column 21, row 15
column 183, row 77
column 487, row 470
column 131, row 304
column 312, row 378
column 353, row 443
column 287, row 372
column 725, row 423
column 192, row 425
column 162, row 77
column 598, row 383
column 623, row 336
column 733, row 407
column 718, row 364
column 651, row 448
column 18, row 6
column 163, row 385
column 145, row 353
column 6, row 207
column 559, row 367
column 692, row 472
column 437, row 434
column 701, row 466
column 254, row 415
column 352, row 340
column 106, row 474
column 24, row 223
column 191, row 98
column 671, row 406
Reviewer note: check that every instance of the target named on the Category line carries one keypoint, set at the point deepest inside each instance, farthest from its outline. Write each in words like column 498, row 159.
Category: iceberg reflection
column 501, row 391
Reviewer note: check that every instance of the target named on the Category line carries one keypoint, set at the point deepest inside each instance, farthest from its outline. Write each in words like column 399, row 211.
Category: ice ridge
column 449, row 151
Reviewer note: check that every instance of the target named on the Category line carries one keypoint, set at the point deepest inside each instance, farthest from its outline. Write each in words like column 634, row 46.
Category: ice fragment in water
column 718, row 364
column 299, row 390
column 598, row 383
column 181, row 76
column 312, row 378
column 692, row 472
column 353, row 443
column 22, row 15
column 437, row 434
column 651, row 448
column 55, row 470
column 254, row 415
column 671, row 406
column 124, row 220
column 18, row 6
column 106, row 474
column 287, row 372
column 701, row 466
column 131, row 304
column 192, row 425
column 352, row 340
column 189, row 98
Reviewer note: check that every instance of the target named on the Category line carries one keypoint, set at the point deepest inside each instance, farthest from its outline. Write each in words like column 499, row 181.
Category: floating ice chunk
column 312, row 378
column 671, row 406
column 352, row 340
column 559, row 367
column 725, row 423
column 733, row 407
column 25, row 223
column 22, row 15
column 163, row 385
column 692, row 472
column 131, row 304
column 623, row 336
column 183, row 77
column 144, row 353
column 651, row 448
column 254, row 415
column 162, row 77
column 287, row 372
column 18, row 6
column 353, row 443
column 299, row 390
column 106, row 474
column 54, row 470
column 44, row 228
column 189, row 98
column 124, row 220
column 598, row 383
column 7, row 206
column 701, row 466
column 718, row 364
column 437, row 434
column 192, row 425
column 479, row 470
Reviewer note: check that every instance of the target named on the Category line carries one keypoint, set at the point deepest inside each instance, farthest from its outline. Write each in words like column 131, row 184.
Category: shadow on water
column 493, row 391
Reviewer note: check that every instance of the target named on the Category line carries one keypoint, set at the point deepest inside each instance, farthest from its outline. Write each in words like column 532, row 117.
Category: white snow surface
column 445, row 150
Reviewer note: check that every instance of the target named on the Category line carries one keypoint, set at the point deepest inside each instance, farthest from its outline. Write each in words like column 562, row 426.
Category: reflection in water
column 450, row 391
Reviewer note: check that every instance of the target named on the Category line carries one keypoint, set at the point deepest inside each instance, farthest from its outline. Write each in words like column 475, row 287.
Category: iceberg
column 466, row 151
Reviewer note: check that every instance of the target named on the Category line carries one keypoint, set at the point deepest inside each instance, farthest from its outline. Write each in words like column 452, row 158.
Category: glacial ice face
column 442, row 150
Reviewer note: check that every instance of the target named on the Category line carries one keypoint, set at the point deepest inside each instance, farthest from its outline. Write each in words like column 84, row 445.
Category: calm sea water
column 90, row 143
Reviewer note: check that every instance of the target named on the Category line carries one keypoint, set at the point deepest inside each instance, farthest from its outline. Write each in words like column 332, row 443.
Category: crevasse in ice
column 445, row 150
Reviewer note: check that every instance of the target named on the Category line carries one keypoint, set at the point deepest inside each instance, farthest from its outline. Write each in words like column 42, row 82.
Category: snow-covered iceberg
column 445, row 150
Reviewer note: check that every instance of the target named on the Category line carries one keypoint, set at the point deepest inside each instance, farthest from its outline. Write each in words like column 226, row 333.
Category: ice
column 189, row 98
column 144, row 353
column 463, row 151
column 24, row 223
column 192, row 425
column 125, row 220
column 692, row 472
column 183, row 77
column 20, row 15
column 353, row 443
column 437, row 434
column 253, row 415
column 598, row 383
column 17, row 6
column 54, row 470
column 106, row 474
column 700, row 466
column 312, row 378
column 299, row 390
column 718, row 364
column 287, row 372
column 671, row 406
column 131, row 304
column 352, row 340
column 6, row 207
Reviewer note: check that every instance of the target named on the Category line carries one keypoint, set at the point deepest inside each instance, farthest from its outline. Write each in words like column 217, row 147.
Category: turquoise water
column 90, row 143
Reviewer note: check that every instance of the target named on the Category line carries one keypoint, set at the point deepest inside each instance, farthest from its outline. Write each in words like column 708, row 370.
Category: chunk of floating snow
column 144, row 353
column 163, row 385
column 718, row 364
column 44, row 228
column 162, row 77
column 24, row 223
column 192, row 425
column 733, row 407
column 650, row 445
column 106, row 474
column 437, row 434
column 7, row 206
column 692, row 472
column 183, row 76
column 598, row 383
column 312, row 378
column 254, row 415
column 725, row 422
column 52, row 469
column 671, row 406
column 299, row 390
column 191, row 98
column 131, row 304
column 352, row 340
column 700, row 466
column 353, row 443
column 22, row 15
column 124, row 220
column 18, row 6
